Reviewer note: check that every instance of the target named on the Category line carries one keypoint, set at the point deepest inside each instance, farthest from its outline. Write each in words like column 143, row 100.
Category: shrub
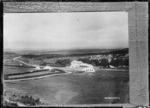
column 84, row 60
column 63, row 62
column 10, row 104
column 104, row 63
column 29, row 100
column 95, row 62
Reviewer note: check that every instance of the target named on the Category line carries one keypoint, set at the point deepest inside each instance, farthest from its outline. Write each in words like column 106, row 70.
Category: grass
column 79, row 88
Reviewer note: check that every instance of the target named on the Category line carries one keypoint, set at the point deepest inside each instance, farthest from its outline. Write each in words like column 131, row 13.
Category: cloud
column 66, row 30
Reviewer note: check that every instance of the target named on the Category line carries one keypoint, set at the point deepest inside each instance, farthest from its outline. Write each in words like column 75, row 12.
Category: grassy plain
column 84, row 88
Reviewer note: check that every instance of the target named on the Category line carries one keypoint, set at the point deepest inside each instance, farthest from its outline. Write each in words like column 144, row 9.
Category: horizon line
column 64, row 49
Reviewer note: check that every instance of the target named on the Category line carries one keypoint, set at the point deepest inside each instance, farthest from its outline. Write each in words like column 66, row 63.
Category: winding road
column 21, row 77
column 16, row 59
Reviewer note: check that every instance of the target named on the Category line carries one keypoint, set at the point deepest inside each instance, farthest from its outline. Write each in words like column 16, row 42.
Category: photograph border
column 138, row 38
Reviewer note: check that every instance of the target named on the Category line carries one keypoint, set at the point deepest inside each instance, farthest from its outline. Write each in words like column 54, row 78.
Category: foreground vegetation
column 29, row 100
column 24, row 100
column 9, row 104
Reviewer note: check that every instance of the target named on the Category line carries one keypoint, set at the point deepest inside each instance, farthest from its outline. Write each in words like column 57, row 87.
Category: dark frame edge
column 132, row 10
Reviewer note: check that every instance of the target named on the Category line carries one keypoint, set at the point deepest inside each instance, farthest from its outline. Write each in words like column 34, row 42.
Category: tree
column 63, row 62
column 84, row 60
column 95, row 62
column 104, row 63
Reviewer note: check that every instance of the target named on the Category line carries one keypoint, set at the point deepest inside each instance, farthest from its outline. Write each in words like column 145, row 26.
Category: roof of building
column 81, row 63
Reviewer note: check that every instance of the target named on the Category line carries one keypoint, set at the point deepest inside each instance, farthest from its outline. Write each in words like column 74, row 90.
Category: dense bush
column 120, row 61
column 117, row 60
column 29, row 100
column 63, row 62
column 43, row 63
column 84, row 60
column 95, row 62
column 10, row 104
column 104, row 63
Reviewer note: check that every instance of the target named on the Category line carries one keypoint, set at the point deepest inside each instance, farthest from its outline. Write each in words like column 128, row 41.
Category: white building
column 41, row 67
column 111, row 66
column 47, row 67
column 80, row 66
column 38, row 68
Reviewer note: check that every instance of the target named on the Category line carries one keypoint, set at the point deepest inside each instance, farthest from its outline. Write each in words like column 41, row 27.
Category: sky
column 76, row 30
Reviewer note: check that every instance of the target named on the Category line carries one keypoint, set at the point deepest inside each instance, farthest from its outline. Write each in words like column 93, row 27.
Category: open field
column 85, row 88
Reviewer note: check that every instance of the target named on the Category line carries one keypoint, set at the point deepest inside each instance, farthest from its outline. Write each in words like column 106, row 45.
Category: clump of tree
column 29, row 100
column 63, row 62
column 85, row 60
column 43, row 63
column 117, row 60
column 120, row 60
column 95, row 62
column 10, row 104
column 104, row 63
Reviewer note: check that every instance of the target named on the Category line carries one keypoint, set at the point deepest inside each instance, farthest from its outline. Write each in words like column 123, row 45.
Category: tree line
column 116, row 61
